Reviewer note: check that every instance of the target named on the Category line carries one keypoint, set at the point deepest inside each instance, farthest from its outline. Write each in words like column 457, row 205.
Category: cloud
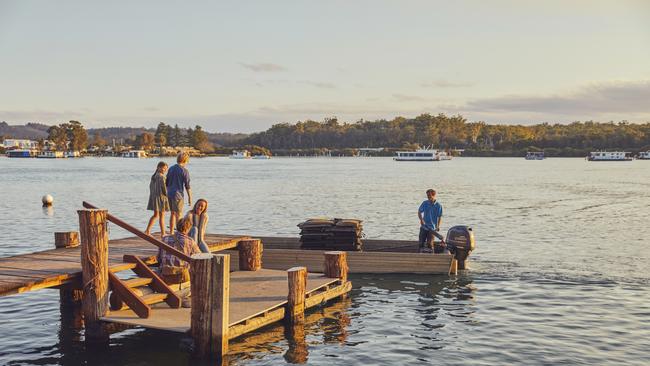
column 441, row 83
column 318, row 84
column 263, row 67
column 408, row 98
column 619, row 97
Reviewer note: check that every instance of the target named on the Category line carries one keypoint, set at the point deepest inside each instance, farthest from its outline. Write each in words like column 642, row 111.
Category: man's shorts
column 176, row 205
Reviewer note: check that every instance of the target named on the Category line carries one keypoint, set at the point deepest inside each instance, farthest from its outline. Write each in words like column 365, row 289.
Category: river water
column 560, row 275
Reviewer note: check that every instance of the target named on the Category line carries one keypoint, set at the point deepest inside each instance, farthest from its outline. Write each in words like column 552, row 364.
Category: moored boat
column 426, row 154
column 261, row 157
column 134, row 154
column 240, row 154
column 50, row 154
column 609, row 156
column 535, row 155
column 644, row 155
column 21, row 153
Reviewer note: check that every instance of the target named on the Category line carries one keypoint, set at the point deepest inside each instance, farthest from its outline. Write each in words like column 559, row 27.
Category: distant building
column 20, row 144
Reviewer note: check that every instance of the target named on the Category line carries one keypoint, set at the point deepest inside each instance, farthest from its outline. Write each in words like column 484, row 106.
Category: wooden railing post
column 297, row 277
column 336, row 265
column 250, row 254
column 94, row 270
column 210, row 288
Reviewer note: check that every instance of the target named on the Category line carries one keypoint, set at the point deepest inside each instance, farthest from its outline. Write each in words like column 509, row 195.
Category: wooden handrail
column 142, row 235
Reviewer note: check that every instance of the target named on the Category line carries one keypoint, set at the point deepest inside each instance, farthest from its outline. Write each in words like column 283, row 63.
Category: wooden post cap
column 336, row 265
column 66, row 239
column 297, row 277
column 250, row 254
column 210, row 288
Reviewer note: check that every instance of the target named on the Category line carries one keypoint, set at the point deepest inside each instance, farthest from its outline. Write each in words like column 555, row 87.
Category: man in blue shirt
column 430, row 215
column 178, row 180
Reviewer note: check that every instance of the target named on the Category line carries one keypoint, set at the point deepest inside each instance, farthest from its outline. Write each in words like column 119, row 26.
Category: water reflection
column 48, row 211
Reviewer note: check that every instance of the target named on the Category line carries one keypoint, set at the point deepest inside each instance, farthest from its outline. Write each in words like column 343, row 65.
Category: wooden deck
column 55, row 267
column 253, row 294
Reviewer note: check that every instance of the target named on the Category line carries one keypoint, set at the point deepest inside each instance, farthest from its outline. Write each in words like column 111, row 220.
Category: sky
column 244, row 66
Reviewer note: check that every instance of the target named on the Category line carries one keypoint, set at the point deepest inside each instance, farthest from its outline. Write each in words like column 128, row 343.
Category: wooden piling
column 94, row 268
column 67, row 239
column 336, row 265
column 296, row 299
column 250, row 254
column 210, row 288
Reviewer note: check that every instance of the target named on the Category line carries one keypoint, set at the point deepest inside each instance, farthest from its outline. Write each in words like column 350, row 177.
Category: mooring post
column 66, row 239
column 94, row 272
column 295, row 312
column 210, row 288
column 453, row 268
column 250, row 254
column 336, row 265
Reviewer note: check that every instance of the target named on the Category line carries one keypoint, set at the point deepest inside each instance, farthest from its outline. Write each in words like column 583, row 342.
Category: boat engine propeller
column 460, row 242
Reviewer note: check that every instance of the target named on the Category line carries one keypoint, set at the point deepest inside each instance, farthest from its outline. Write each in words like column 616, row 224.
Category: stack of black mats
column 331, row 234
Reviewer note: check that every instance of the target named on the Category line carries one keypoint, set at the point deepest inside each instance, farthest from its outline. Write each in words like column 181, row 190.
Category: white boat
column 134, row 154
column 72, row 154
column 609, row 156
column 535, row 155
column 50, row 154
column 240, row 154
column 644, row 155
column 21, row 153
column 261, row 157
column 426, row 154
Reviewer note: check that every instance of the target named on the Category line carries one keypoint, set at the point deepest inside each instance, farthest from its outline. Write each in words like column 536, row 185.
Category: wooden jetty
column 249, row 284
column 223, row 305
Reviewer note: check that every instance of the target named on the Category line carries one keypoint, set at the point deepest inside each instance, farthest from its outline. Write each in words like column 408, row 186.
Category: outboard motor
column 460, row 242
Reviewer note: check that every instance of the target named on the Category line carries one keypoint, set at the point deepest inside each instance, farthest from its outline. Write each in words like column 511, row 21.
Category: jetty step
column 142, row 291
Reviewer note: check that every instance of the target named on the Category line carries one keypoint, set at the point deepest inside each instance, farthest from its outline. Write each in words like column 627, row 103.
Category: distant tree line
column 67, row 136
column 447, row 132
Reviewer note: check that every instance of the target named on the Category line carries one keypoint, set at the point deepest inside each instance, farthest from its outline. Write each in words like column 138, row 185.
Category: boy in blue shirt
column 430, row 215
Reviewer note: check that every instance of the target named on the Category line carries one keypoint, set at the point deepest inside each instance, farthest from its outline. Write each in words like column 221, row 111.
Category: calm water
column 560, row 275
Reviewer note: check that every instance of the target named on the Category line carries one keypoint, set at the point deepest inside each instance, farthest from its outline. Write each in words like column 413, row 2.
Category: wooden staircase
column 140, row 292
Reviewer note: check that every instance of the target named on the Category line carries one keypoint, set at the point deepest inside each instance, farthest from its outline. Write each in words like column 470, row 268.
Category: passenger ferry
column 240, row 154
column 426, row 154
column 49, row 154
column 134, row 154
column 609, row 156
column 644, row 155
column 21, row 153
column 535, row 155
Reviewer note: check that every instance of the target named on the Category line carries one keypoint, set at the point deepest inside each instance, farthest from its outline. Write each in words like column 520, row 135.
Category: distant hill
column 29, row 131
column 35, row 131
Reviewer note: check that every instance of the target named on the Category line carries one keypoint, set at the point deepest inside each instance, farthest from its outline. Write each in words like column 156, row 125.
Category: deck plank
column 53, row 267
column 251, row 293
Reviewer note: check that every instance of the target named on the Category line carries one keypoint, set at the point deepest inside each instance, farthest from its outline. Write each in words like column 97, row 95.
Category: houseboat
column 609, row 156
column 21, row 153
column 535, row 155
column 426, row 154
column 51, row 154
column 134, row 154
column 240, row 154
column 644, row 155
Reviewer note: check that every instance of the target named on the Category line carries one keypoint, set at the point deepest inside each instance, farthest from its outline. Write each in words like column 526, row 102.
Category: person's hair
column 431, row 191
column 184, row 225
column 197, row 203
column 182, row 157
column 159, row 167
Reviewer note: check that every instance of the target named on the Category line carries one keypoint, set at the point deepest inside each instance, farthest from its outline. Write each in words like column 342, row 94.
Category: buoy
column 47, row 200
